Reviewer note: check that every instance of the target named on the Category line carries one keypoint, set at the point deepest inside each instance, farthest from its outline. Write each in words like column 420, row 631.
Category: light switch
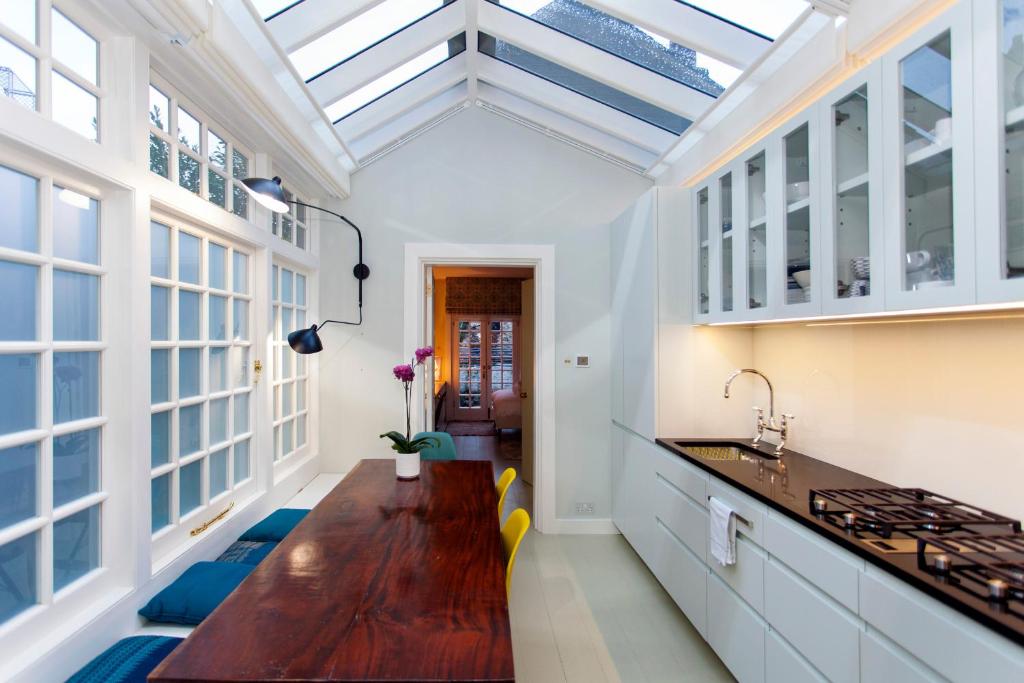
column 583, row 361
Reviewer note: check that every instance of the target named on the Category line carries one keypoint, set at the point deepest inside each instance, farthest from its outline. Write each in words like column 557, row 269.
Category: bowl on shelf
column 861, row 267
column 797, row 191
column 803, row 278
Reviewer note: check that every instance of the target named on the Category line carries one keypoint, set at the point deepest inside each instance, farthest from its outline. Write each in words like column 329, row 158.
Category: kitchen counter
column 785, row 485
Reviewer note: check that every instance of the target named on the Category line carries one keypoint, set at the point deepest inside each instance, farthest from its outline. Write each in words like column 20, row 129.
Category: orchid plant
column 406, row 374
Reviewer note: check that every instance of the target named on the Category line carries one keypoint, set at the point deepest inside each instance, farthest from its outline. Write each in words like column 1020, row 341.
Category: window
column 52, row 418
column 292, row 226
column 59, row 53
column 291, row 370
column 183, row 147
column 201, row 388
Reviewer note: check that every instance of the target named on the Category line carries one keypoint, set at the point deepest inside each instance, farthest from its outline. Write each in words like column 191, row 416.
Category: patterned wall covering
column 484, row 296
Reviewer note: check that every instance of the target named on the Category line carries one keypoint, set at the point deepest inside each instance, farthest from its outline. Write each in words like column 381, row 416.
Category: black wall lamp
column 267, row 192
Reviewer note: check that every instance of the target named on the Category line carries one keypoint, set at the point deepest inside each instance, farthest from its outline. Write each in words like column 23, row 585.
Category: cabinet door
column 999, row 149
column 638, row 331
column 735, row 632
column 929, row 165
column 702, row 253
column 756, row 225
column 727, row 299
column 852, row 234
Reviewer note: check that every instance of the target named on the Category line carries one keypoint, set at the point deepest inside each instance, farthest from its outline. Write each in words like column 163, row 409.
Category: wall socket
column 584, row 508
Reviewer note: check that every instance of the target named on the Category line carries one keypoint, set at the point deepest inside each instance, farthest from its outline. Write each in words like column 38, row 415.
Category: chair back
column 445, row 449
column 511, row 536
column 504, row 482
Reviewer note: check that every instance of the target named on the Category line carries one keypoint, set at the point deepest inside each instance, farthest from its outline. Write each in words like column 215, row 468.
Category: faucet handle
column 787, row 417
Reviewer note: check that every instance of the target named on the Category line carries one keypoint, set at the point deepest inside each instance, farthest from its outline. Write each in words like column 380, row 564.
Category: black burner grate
column 990, row 567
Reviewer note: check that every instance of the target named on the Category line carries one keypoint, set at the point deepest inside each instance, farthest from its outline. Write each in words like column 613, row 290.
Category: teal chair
column 445, row 450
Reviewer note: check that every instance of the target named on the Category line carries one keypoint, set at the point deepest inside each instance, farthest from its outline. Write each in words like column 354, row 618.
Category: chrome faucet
column 780, row 428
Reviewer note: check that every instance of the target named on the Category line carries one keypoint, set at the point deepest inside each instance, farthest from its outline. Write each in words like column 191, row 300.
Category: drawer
column 746, row 577
column 735, row 632
column 684, row 577
column 684, row 476
column 783, row 664
column 882, row 661
column 753, row 512
column 821, row 562
column 821, row 630
column 678, row 512
column 960, row 648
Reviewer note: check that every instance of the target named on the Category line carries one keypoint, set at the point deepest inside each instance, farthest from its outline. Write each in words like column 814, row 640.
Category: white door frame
column 542, row 258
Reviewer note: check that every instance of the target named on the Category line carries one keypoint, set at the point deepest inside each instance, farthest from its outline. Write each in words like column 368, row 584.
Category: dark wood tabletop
column 384, row 580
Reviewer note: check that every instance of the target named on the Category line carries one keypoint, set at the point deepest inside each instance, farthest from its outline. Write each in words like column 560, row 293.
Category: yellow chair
column 504, row 482
column 511, row 536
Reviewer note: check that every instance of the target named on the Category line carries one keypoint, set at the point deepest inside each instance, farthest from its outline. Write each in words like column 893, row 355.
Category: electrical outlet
column 584, row 508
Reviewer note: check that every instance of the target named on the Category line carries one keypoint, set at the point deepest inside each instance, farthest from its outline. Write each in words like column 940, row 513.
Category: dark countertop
column 785, row 485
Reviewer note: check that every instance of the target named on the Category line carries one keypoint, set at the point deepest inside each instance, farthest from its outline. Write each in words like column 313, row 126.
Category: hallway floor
column 506, row 452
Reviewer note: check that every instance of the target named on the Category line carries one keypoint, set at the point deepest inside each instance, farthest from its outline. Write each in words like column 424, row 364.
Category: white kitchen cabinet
column 683, row 574
column 735, row 632
column 882, row 661
column 632, row 511
column 702, row 256
column 783, row 664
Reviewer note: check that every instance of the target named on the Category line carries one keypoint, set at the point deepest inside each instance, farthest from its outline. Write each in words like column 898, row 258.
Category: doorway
column 485, row 363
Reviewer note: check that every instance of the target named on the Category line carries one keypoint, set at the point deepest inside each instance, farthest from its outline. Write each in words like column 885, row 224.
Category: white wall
column 477, row 178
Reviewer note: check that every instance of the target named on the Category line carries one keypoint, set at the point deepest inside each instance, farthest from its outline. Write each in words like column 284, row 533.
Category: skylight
column 630, row 42
column 268, row 8
column 769, row 19
column 359, row 33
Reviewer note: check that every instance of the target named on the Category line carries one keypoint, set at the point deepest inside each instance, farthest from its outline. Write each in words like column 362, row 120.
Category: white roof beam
column 308, row 20
column 691, row 27
column 591, row 61
column 376, row 61
column 547, row 120
column 572, row 104
column 409, row 123
column 396, row 103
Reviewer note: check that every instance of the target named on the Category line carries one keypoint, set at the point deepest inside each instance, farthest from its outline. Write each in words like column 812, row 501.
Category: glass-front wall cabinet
column 1012, row 49
column 726, row 249
column 798, row 217
column 703, row 253
column 851, row 187
column 757, row 232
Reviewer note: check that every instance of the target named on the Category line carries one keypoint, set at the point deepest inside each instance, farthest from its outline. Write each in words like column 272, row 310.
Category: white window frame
column 172, row 537
column 202, row 157
column 297, row 364
column 296, row 221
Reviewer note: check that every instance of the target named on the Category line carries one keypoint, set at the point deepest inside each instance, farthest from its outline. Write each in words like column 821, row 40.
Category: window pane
column 76, row 465
column 287, row 446
column 18, row 468
column 191, row 480
column 189, row 258
column 240, row 320
column 76, row 385
column 159, row 106
column 240, row 273
column 300, row 431
column 76, row 306
column 160, row 438
column 159, row 375
column 240, row 366
column 241, row 414
column 188, row 315
column 160, row 250
column 190, row 430
column 20, row 15
column 217, row 187
column 188, row 372
column 74, row 107
column 188, row 172
column 18, row 305
column 275, row 280
column 286, row 286
column 218, row 472
column 160, row 502
column 18, row 75
column 300, row 290
column 287, row 391
column 768, row 19
column 300, row 237
column 239, row 202
column 18, row 566
column 73, row 47
column 218, row 317
column 188, row 131
column 160, row 310
column 217, row 150
column 21, row 209
column 218, row 266
column 239, row 165
column 19, row 375
column 300, row 395
column 241, row 461
column 76, row 546
column 159, row 155
column 218, row 369
column 75, row 226
column 218, row 420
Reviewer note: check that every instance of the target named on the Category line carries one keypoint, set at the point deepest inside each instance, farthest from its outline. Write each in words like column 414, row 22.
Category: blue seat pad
column 128, row 660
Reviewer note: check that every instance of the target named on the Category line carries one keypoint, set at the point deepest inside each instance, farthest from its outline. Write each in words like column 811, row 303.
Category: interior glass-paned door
column 502, row 354
column 469, row 380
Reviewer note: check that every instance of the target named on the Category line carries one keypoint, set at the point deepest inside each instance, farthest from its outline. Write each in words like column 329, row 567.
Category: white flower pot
column 407, row 465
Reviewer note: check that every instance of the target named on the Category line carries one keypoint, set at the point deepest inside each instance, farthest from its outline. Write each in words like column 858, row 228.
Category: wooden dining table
column 384, row 580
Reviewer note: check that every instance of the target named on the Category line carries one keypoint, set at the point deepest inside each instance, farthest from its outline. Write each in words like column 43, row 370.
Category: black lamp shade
column 305, row 340
column 267, row 192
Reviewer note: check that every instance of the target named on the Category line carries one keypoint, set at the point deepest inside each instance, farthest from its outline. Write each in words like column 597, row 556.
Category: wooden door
column 484, row 353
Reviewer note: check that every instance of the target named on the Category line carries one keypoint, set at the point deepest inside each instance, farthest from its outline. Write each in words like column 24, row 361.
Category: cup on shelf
column 803, row 278
column 797, row 191
column 860, row 266
column 859, row 288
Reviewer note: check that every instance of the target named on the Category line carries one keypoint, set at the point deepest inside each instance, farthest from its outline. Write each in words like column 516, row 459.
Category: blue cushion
column 445, row 450
column 196, row 593
column 127, row 661
column 247, row 552
column 275, row 526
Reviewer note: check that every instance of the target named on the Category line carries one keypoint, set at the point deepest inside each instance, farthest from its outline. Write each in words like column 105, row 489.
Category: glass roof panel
column 583, row 85
column 768, row 19
column 628, row 41
column 268, row 8
column 395, row 79
column 359, row 33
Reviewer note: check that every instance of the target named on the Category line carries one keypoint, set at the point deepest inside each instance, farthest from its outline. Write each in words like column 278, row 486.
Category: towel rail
column 740, row 518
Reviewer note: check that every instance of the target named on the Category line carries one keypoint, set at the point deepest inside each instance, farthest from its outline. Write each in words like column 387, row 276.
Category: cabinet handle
column 740, row 518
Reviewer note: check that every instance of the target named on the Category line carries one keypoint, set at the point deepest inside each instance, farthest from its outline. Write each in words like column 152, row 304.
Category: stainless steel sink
column 723, row 450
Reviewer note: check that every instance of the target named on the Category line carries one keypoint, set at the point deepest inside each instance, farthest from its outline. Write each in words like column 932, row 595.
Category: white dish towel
column 723, row 532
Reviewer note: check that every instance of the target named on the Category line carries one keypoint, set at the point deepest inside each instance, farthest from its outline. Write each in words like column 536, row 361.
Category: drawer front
column 821, row 562
column 753, row 512
column 783, row 664
column 735, row 633
column 819, row 629
column 746, row 577
column 960, row 648
column 684, row 476
column 882, row 662
column 682, row 516
column 684, row 577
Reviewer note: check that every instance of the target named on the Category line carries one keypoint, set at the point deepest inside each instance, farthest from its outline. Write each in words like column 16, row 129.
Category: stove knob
column 849, row 519
column 942, row 563
column 997, row 589
column 820, row 505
